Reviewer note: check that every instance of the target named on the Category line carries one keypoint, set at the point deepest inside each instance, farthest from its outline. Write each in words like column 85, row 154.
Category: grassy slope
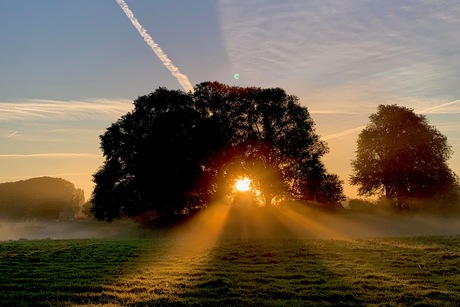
column 233, row 268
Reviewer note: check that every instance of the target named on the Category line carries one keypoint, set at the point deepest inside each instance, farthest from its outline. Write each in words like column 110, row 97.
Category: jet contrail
column 181, row 78
column 439, row 106
column 343, row 133
column 354, row 130
column 12, row 134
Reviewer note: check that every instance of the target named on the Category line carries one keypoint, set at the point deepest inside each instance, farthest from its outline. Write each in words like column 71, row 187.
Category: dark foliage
column 362, row 205
column 401, row 157
column 178, row 150
column 41, row 198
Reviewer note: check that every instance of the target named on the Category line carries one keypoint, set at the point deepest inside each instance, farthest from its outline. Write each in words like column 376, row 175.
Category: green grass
column 190, row 267
column 393, row 271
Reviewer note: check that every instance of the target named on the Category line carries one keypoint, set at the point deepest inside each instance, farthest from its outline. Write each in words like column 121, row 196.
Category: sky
column 69, row 69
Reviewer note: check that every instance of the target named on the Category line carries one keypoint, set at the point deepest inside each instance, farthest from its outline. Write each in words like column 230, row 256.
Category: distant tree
column 86, row 209
column 79, row 197
column 361, row 205
column 401, row 157
column 174, row 145
column 42, row 197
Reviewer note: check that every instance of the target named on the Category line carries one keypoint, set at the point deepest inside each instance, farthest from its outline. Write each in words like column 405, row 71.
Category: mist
column 56, row 230
column 304, row 223
column 360, row 225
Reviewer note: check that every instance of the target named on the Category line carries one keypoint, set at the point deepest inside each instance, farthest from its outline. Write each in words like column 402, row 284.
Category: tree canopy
column 179, row 149
column 403, row 158
column 42, row 197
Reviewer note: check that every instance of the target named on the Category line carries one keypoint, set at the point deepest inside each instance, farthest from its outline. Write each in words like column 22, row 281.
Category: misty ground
column 220, row 256
column 310, row 224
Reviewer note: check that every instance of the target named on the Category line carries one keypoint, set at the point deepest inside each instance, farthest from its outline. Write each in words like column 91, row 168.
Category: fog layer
column 314, row 225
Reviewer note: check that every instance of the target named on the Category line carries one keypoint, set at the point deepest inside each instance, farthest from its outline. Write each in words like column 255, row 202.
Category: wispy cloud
column 410, row 47
column 93, row 109
column 50, row 156
column 181, row 78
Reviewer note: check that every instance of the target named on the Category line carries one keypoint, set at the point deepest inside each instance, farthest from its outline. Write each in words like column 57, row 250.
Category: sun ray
column 172, row 264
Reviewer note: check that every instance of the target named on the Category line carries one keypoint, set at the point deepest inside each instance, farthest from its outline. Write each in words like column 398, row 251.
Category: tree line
column 42, row 198
column 179, row 150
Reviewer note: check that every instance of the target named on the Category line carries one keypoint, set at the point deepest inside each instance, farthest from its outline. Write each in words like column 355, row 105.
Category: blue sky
column 69, row 69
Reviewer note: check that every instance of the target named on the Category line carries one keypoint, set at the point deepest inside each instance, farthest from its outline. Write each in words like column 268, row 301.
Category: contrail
column 439, row 106
column 354, row 130
column 181, row 78
column 343, row 133
column 12, row 134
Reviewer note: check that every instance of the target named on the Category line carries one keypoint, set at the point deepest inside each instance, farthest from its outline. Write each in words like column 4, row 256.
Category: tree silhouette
column 152, row 157
column 176, row 150
column 41, row 197
column 400, row 156
column 272, row 140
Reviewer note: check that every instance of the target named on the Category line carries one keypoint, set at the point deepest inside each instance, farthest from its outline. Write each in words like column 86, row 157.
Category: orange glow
column 165, row 268
column 243, row 184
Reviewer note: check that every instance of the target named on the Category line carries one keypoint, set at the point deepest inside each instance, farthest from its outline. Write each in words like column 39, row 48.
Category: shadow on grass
column 258, row 261
column 159, row 277
column 237, row 257
column 50, row 273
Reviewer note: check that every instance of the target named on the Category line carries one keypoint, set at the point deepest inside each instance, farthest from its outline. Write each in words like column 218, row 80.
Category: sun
column 243, row 184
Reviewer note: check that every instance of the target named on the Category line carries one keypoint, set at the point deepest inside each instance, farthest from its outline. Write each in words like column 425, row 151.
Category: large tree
column 175, row 148
column 403, row 158
column 269, row 137
column 152, row 157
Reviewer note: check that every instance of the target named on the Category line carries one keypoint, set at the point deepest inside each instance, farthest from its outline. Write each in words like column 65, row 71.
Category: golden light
column 243, row 184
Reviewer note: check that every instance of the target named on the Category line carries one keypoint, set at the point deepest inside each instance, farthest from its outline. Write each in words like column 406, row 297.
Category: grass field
column 211, row 264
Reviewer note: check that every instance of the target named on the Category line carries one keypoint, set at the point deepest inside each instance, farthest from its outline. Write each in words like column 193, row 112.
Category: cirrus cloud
column 411, row 47
column 42, row 109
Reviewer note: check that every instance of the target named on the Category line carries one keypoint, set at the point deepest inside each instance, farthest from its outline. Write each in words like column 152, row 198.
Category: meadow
column 246, row 261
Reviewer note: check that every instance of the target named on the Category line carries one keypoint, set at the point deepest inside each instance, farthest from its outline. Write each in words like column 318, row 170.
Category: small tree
column 401, row 157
